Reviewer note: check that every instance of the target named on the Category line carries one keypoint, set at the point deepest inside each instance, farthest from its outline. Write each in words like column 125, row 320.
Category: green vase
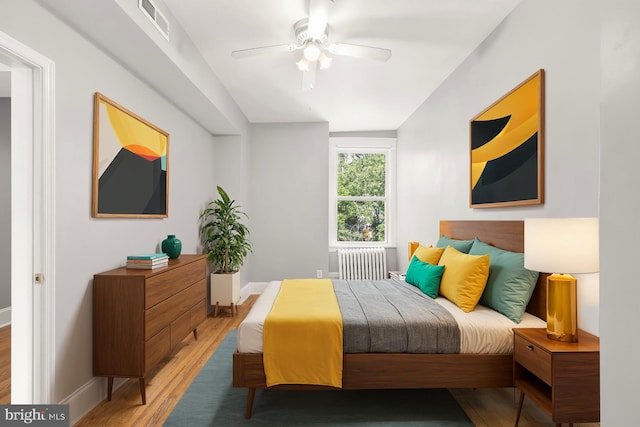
column 172, row 246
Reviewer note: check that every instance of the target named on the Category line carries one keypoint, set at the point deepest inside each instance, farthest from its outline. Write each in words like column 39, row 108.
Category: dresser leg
column 520, row 402
column 143, row 393
column 215, row 309
column 232, row 308
column 109, row 388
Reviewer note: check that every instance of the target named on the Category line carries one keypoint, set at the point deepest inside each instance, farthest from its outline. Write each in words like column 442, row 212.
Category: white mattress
column 483, row 331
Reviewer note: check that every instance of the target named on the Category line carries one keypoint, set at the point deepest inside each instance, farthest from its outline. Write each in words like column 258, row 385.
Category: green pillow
column 425, row 276
column 510, row 285
column 460, row 245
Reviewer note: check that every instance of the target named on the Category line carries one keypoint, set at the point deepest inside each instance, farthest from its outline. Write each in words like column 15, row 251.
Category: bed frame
column 408, row 370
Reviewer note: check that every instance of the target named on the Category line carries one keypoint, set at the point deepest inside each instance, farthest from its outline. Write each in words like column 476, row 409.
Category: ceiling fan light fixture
column 303, row 64
column 311, row 51
column 325, row 61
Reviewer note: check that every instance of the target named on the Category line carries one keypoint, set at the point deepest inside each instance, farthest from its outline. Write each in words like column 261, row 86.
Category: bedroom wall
column 5, row 206
column 232, row 171
column 433, row 145
column 86, row 245
column 620, row 201
column 289, row 196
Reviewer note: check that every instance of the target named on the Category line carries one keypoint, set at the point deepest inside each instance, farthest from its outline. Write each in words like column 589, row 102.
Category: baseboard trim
column 5, row 317
column 251, row 288
column 87, row 397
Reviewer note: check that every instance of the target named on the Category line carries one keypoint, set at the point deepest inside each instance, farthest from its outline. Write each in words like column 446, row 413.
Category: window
column 362, row 191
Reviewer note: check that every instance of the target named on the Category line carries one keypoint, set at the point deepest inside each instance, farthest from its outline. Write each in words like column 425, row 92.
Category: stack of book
column 147, row 261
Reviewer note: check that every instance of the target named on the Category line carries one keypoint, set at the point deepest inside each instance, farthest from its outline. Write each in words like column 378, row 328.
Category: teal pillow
column 460, row 245
column 425, row 276
column 510, row 285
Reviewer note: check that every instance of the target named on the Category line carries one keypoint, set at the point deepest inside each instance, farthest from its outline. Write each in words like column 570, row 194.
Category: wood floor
column 485, row 407
column 5, row 365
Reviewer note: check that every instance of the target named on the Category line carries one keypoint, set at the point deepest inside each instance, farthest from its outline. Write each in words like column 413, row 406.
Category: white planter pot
column 224, row 291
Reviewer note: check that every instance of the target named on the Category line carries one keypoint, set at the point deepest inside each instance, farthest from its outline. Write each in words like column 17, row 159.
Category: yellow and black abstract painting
column 507, row 152
column 130, row 164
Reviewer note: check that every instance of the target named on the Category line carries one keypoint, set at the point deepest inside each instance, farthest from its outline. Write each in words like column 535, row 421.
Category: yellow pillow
column 429, row 255
column 464, row 277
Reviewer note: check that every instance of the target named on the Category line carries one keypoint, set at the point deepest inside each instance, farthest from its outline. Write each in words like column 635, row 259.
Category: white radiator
column 362, row 263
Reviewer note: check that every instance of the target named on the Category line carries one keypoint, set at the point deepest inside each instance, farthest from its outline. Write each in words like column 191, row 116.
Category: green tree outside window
column 361, row 184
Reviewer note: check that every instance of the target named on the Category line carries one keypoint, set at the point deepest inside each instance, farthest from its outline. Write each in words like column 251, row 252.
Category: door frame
column 32, row 221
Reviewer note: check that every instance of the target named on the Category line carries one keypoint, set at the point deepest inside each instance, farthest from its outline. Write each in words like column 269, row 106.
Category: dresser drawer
column 157, row 348
column 532, row 358
column 180, row 328
column 198, row 313
column 159, row 288
column 162, row 314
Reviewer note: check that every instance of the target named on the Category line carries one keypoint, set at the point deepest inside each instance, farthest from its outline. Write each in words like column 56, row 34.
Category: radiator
column 362, row 263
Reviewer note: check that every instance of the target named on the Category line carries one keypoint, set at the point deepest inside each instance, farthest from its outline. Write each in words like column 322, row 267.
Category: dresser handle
column 530, row 347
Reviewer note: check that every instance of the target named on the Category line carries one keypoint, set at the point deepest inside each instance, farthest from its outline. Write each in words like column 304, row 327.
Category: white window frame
column 386, row 146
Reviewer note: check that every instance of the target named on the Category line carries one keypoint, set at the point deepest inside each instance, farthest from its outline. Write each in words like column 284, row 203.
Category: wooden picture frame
column 130, row 164
column 507, row 148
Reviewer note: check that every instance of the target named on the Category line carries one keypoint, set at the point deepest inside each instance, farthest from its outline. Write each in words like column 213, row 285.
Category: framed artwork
column 507, row 148
column 130, row 164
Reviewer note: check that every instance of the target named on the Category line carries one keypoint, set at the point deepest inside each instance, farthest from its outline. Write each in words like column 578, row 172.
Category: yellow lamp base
column 562, row 311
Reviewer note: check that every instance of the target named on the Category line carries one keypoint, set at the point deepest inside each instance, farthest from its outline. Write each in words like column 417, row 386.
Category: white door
column 32, row 225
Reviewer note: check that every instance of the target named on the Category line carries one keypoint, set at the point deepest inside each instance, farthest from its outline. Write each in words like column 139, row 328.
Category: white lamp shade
column 561, row 245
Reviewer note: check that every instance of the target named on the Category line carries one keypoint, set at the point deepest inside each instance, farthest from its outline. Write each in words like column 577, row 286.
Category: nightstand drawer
column 532, row 358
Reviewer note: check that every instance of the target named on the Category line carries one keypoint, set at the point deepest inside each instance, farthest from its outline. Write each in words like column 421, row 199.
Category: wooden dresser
column 140, row 316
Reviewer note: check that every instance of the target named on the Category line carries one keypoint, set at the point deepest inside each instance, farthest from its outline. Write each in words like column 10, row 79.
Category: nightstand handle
column 530, row 347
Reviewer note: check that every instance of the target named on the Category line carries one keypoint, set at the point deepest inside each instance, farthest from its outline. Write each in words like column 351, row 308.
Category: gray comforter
column 389, row 316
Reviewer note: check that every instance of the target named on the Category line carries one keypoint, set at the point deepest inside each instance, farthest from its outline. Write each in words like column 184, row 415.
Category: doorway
column 5, row 234
column 32, row 221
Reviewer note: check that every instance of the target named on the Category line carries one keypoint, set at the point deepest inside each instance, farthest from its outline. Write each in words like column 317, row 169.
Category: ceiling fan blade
column 309, row 77
column 357, row 51
column 318, row 17
column 243, row 53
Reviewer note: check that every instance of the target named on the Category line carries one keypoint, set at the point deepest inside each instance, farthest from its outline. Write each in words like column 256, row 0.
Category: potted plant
column 225, row 241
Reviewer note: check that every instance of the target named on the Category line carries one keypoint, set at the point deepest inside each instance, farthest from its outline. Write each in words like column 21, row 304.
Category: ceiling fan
column 312, row 38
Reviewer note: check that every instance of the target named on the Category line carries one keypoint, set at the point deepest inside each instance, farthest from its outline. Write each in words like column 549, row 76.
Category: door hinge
column 39, row 278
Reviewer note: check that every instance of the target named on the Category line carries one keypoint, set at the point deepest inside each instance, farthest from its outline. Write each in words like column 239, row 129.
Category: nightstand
column 561, row 378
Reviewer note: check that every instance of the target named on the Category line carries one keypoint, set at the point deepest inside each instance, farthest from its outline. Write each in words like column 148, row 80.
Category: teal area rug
column 212, row 401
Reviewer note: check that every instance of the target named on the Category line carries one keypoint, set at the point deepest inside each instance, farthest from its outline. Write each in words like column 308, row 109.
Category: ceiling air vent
column 157, row 18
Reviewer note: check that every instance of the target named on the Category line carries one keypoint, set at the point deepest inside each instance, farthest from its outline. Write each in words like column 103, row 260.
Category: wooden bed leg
column 250, row 396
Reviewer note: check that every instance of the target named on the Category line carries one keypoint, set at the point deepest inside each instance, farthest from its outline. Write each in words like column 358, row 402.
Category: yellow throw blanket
column 303, row 335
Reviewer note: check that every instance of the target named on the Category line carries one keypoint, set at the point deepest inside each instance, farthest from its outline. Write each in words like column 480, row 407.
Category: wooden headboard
column 508, row 235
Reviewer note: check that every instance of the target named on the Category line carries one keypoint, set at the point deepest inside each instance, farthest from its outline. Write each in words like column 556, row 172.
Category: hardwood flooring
column 485, row 407
column 5, row 365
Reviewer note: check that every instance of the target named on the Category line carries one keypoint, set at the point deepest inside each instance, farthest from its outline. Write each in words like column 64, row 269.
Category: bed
column 417, row 370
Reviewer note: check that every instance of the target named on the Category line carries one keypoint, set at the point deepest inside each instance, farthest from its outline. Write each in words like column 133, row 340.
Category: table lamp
column 561, row 246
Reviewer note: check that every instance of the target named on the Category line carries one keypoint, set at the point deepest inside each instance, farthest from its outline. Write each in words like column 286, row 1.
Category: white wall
column 620, row 201
column 289, row 199
column 433, row 145
column 232, row 173
column 86, row 245
column 5, row 203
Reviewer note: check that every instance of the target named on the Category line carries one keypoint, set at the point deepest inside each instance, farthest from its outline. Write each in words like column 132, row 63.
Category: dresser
column 140, row 316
